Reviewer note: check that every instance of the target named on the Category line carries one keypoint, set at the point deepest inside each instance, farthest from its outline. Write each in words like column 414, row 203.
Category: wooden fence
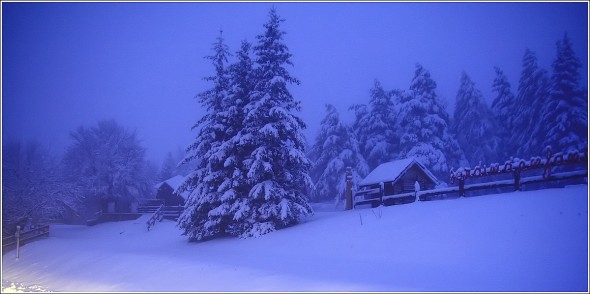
column 459, row 191
column 516, row 183
column 514, row 167
column 24, row 237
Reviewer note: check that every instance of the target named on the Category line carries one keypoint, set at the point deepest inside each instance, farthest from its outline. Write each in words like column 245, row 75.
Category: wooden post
column 348, row 188
column 381, row 191
column 17, row 237
column 517, row 180
column 462, row 187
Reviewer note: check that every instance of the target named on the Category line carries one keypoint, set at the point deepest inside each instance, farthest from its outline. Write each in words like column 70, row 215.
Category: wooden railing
column 368, row 196
column 157, row 216
column 24, row 237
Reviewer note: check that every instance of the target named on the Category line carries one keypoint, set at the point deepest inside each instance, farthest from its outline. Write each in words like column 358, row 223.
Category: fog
column 71, row 64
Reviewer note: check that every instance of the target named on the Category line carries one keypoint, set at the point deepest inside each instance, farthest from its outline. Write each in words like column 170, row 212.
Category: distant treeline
column 548, row 109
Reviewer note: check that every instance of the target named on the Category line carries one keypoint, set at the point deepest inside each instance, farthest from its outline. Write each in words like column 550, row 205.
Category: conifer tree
column 360, row 126
column 168, row 168
column 527, row 137
column 502, row 108
column 335, row 149
column 424, row 122
column 277, row 165
column 565, row 116
column 201, row 218
column 473, row 125
column 236, row 187
column 381, row 138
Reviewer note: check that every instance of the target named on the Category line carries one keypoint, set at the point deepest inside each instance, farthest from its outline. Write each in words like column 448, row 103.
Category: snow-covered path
column 520, row 241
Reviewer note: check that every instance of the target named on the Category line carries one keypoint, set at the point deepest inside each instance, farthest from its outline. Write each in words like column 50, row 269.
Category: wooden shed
column 394, row 182
column 166, row 191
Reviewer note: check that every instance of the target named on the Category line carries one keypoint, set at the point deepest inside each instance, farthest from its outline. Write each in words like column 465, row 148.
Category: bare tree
column 107, row 163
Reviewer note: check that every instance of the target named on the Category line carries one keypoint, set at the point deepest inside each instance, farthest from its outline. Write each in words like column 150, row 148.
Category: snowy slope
column 521, row 241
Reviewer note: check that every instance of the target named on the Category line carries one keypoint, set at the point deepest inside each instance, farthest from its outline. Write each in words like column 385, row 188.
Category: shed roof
column 393, row 170
column 174, row 183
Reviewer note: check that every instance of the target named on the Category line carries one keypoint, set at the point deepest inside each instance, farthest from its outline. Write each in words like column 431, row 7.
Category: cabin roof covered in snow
column 391, row 171
column 174, row 183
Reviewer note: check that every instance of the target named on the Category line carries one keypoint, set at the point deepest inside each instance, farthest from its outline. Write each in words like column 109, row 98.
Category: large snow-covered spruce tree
column 502, row 109
column 473, row 124
column 200, row 219
column 565, row 116
column 424, row 123
column 252, row 169
column 235, row 188
column 335, row 148
column 277, row 167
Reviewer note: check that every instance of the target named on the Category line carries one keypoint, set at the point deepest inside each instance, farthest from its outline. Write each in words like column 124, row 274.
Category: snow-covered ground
column 520, row 241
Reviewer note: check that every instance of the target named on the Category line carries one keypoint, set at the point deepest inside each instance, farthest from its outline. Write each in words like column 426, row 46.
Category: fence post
column 461, row 187
column 517, row 180
column 348, row 188
column 547, row 167
column 17, row 236
column 381, row 191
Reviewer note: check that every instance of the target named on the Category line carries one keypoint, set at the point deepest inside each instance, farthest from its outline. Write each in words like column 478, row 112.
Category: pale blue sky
column 71, row 64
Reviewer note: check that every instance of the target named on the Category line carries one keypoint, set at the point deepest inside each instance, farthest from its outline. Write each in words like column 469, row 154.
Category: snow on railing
column 517, row 165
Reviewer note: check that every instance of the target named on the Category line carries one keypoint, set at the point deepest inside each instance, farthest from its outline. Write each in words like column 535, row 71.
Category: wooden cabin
column 394, row 182
column 166, row 191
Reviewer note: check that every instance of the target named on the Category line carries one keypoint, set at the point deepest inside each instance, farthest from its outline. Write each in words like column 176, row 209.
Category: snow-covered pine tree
column 473, row 124
column 527, row 136
column 502, row 108
column 424, row 122
column 382, row 140
column 236, row 186
column 200, row 219
column 360, row 126
column 454, row 154
column 565, row 116
column 277, row 165
column 335, row 148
